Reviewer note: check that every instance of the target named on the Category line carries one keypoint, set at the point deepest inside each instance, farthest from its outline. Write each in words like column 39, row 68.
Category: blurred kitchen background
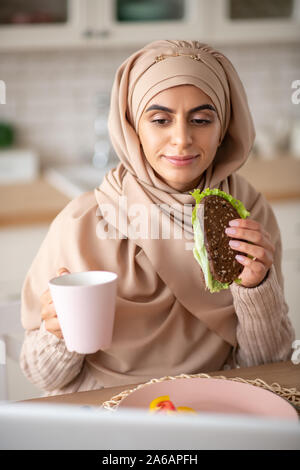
column 58, row 59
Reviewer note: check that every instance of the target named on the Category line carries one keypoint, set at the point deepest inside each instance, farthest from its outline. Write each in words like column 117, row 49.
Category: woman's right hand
column 48, row 312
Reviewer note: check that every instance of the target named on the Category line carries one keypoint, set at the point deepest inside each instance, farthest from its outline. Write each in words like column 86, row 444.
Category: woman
column 170, row 101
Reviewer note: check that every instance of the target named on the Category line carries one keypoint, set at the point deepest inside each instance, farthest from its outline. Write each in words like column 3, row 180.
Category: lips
column 179, row 157
column 181, row 160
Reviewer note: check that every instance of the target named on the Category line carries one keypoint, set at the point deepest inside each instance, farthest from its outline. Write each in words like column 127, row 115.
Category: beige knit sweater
column 264, row 334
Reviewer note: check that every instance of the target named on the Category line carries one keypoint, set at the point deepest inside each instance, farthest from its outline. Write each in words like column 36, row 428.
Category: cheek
column 210, row 140
column 151, row 141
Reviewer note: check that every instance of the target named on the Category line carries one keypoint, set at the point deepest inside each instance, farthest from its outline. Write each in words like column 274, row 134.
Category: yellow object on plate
column 154, row 404
column 185, row 409
column 164, row 404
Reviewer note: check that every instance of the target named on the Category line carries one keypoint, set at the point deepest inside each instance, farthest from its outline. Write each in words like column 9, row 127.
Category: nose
column 181, row 136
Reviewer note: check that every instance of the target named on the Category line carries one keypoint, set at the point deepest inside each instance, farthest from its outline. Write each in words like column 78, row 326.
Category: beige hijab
column 166, row 322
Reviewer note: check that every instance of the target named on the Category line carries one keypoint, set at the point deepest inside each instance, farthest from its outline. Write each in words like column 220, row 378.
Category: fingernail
column 61, row 272
column 234, row 243
column 240, row 258
column 234, row 223
column 230, row 231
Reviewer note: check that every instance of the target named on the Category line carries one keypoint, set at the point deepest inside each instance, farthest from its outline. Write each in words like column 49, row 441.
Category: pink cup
column 85, row 306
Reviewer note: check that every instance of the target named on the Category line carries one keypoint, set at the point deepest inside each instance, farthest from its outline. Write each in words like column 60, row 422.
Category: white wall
column 51, row 96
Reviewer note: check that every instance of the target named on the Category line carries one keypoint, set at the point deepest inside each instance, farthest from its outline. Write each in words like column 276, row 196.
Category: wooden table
column 285, row 374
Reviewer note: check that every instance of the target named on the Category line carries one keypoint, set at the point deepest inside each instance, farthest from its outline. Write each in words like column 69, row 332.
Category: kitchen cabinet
column 18, row 247
column 42, row 24
column 277, row 179
column 244, row 21
column 288, row 217
column 291, row 273
column 123, row 23
column 111, row 23
column 100, row 23
column 26, row 212
column 216, row 21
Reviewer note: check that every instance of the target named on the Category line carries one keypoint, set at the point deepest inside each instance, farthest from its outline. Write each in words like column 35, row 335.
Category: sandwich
column 210, row 217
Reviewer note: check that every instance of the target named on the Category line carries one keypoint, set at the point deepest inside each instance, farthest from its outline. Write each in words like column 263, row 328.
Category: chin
column 183, row 186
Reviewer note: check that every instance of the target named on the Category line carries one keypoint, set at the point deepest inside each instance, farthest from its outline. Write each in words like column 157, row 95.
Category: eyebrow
column 168, row 110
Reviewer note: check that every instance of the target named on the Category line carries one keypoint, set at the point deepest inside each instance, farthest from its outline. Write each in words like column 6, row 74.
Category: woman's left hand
column 260, row 248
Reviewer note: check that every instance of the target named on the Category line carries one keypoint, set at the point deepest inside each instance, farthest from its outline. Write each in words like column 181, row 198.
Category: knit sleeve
column 264, row 330
column 45, row 360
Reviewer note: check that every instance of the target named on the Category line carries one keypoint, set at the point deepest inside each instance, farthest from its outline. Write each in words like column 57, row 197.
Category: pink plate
column 214, row 396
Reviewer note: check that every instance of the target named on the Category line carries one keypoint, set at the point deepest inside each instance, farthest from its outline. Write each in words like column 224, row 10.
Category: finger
column 254, row 236
column 258, row 252
column 249, row 224
column 46, row 298
column 62, row 271
column 58, row 334
column 53, row 327
column 245, row 223
column 48, row 311
column 258, row 268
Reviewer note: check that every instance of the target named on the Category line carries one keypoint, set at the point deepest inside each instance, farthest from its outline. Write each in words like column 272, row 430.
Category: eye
column 160, row 122
column 201, row 121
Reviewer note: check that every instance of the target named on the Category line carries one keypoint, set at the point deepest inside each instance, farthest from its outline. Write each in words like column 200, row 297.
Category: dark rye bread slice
column 214, row 214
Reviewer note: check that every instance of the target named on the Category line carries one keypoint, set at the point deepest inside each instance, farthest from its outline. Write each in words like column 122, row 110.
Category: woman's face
column 180, row 122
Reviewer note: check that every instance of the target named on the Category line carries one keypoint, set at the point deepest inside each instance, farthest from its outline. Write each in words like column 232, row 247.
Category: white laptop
column 48, row 426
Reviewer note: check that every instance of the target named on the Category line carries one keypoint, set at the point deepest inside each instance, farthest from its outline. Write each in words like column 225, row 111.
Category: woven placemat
column 292, row 395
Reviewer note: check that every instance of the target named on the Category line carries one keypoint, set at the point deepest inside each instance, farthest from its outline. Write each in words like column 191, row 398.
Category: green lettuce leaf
column 199, row 250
